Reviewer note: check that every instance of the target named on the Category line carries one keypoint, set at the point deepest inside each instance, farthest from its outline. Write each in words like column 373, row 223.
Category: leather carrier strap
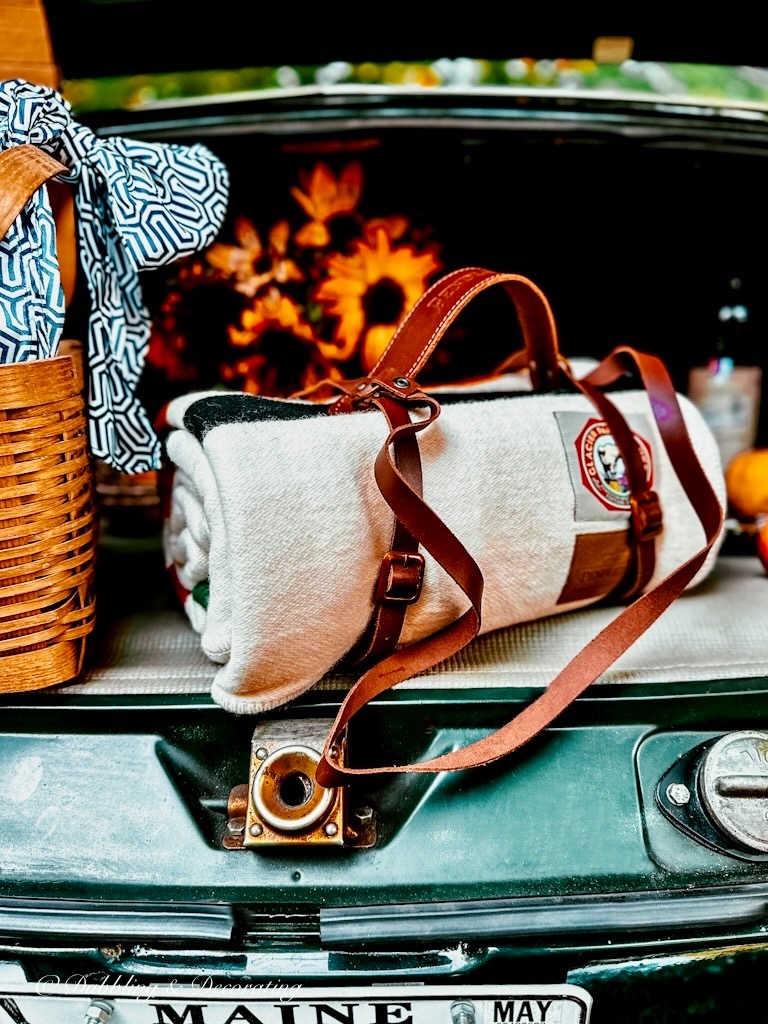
column 418, row 335
column 23, row 169
column 645, row 523
column 421, row 330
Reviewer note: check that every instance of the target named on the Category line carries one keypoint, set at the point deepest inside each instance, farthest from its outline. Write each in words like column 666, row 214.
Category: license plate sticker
column 213, row 1002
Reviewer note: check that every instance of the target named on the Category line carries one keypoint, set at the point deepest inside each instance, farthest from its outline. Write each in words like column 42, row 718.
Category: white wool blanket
column 283, row 520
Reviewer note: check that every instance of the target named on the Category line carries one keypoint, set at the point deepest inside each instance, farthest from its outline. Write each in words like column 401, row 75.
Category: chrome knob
column 733, row 784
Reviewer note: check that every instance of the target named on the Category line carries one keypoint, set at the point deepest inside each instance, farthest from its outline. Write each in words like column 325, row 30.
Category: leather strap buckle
column 647, row 518
column 400, row 578
column 361, row 392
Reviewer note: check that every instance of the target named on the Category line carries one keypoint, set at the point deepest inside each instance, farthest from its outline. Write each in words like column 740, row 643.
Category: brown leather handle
column 411, row 346
column 427, row 321
column 23, row 169
column 602, row 651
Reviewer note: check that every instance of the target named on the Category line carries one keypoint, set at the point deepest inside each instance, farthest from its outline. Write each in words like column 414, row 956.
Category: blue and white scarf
column 139, row 205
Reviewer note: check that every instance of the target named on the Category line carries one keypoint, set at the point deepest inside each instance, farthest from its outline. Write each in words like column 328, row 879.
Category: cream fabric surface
column 716, row 631
column 285, row 520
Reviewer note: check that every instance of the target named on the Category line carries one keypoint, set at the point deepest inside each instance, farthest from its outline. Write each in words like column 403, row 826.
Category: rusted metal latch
column 282, row 805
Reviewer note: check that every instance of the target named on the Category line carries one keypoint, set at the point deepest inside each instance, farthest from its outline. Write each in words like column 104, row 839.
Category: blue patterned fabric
column 139, row 205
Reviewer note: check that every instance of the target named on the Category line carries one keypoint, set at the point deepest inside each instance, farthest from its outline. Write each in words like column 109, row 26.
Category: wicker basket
column 47, row 518
column 47, row 525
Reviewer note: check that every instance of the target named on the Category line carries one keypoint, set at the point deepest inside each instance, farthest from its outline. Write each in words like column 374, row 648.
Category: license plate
column 207, row 1002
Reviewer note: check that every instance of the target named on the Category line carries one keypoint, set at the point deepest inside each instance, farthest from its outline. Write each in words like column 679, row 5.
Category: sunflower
column 325, row 199
column 249, row 263
column 369, row 291
column 315, row 297
column 280, row 354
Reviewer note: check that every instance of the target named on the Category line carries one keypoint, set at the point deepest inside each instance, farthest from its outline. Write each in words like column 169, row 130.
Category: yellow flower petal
column 314, row 235
column 248, row 237
column 228, row 258
column 375, row 341
column 304, row 202
column 278, row 237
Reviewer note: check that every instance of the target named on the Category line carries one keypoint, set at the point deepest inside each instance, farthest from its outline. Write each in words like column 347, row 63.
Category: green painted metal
column 116, row 804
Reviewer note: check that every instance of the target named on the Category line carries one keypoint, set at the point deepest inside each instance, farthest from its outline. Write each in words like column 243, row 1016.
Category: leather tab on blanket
column 599, row 564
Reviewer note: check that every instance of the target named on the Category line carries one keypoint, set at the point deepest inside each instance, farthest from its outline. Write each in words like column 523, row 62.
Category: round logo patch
column 602, row 467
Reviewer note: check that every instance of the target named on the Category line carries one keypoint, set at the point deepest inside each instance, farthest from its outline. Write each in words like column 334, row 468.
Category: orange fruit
column 762, row 545
column 746, row 482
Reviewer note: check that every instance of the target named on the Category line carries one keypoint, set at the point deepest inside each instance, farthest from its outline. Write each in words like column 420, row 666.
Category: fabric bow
column 139, row 205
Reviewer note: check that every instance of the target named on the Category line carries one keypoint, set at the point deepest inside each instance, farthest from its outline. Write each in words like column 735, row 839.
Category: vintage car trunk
column 600, row 862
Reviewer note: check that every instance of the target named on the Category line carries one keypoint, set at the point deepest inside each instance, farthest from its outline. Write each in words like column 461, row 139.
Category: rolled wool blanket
column 276, row 528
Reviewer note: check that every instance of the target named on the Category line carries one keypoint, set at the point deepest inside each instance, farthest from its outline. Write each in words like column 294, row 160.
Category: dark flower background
column 273, row 310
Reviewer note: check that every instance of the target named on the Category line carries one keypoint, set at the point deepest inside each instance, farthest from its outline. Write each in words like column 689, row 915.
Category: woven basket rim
column 48, row 531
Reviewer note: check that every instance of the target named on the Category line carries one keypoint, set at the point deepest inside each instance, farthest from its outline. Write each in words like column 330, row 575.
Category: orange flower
column 284, row 357
column 273, row 311
column 395, row 226
column 369, row 292
column 325, row 197
column 280, row 371
column 359, row 276
column 251, row 266
column 167, row 344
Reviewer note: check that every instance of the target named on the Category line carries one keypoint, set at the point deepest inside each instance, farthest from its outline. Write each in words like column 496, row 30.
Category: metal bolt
column 261, row 753
column 331, row 828
column 678, row 794
column 236, row 826
column 363, row 815
column 256, row 829
column 401, row 382
column 463, row 1012
column 98, row 1012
